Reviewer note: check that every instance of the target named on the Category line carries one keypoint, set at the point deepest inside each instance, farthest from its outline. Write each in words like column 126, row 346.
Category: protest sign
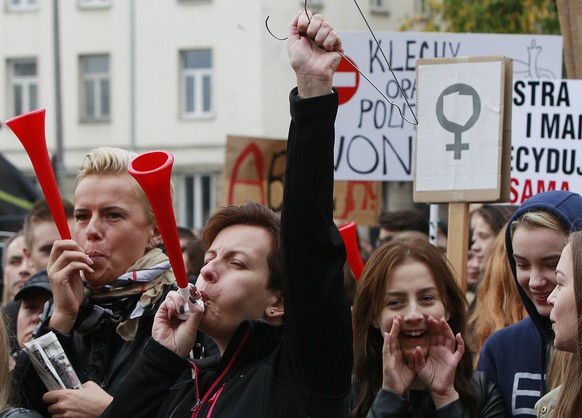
column 547, row 134
column 463, row 140
column 254, row 170
column 464, row 132
column 373, row 141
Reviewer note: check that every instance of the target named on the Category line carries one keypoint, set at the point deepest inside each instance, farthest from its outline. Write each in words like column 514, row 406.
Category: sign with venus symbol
column 459, row 152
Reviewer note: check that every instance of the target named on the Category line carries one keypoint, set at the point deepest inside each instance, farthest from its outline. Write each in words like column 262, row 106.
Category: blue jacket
column 516, row 357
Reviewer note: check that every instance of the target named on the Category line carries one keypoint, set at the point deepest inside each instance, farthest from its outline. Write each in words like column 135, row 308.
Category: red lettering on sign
column 251, row 151
column 519, row 192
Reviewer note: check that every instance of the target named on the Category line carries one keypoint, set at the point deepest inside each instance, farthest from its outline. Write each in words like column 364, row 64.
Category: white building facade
column 175, row 75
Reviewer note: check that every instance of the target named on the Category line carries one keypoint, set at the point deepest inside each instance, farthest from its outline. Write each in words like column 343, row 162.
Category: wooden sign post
column 463, row 140
column 570, row 14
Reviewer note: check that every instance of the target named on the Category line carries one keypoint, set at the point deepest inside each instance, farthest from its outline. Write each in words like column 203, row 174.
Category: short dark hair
column 185, row 232
column 404, row 220
column 252, row 214
column 40, row 212
column 195, row 250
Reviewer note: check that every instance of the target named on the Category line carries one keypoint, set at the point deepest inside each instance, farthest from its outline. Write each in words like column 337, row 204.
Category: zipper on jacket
column 196, row 405
column 196, row 408
column 196, row 385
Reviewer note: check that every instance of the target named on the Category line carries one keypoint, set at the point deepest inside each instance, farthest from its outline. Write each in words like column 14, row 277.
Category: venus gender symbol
column 457, row 128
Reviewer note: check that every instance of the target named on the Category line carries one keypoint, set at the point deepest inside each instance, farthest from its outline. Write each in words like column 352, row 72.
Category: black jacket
column 100, row 355
column 19, row 413
column 420, row 405
column 301, row 369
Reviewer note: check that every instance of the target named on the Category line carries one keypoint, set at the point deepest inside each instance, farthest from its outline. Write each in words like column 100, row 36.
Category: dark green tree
column 488, row 16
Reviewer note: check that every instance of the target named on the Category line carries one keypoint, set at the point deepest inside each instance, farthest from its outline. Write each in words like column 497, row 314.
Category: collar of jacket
column 263, row 339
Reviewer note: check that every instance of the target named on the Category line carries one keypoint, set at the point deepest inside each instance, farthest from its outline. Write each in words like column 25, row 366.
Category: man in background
column 16, row 270
column 40, row 232
column 395, row 223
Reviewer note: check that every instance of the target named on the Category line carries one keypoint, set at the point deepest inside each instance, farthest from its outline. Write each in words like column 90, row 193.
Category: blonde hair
column 538, row 218
column 109, row 160
column 496, row 288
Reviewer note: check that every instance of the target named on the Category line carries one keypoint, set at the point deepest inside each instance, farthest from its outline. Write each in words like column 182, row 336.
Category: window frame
column 422, row 7
column 199, row 199
column 25, row 6
column 25, row 82
column 94, row 4
column 198, row 75
column 315, row 6
column 379, row 7
column 97, row 79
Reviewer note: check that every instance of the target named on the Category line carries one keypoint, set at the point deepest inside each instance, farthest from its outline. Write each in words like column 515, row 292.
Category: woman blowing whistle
column 270, row 286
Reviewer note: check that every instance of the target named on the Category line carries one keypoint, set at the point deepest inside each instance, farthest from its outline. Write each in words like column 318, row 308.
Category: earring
column 272, row 311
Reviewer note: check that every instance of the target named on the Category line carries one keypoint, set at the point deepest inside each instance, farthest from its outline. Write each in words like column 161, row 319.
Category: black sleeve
column 490, row 397
column 388, row 405
column 27, row 386
column 147, row 384
column 318, row 340
column 491, row 403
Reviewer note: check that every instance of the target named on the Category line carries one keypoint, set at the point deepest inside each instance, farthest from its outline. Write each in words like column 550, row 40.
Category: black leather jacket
column 100, row 355
column 19, row 413
column 420, row 405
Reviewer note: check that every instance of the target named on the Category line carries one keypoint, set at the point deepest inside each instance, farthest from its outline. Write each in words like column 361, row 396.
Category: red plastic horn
column 348, row 233
column 152, row 170
column 29, row 128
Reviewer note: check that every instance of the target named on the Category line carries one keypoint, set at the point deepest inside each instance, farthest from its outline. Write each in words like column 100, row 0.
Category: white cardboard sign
column 460, row 135
column 373, row 142
column 547, row 137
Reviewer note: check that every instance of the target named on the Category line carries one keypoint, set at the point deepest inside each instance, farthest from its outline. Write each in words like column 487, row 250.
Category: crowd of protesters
column 277, row 325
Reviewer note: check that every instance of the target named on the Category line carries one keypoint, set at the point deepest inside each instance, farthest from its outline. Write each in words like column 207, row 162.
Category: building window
column 94, row 4
column 379, row 7
column 196, row 83
column 23, row 86
column 95, row 88
column 315, row 6
column 199, row 198
column 22, row 5
column 422, row 7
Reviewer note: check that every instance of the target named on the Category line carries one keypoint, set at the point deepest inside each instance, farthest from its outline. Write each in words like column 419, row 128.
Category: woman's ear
column 156, row 235
column 275, row 311
column 155, row 238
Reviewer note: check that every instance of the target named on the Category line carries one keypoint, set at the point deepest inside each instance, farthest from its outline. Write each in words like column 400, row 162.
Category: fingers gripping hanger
column 413, row 122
